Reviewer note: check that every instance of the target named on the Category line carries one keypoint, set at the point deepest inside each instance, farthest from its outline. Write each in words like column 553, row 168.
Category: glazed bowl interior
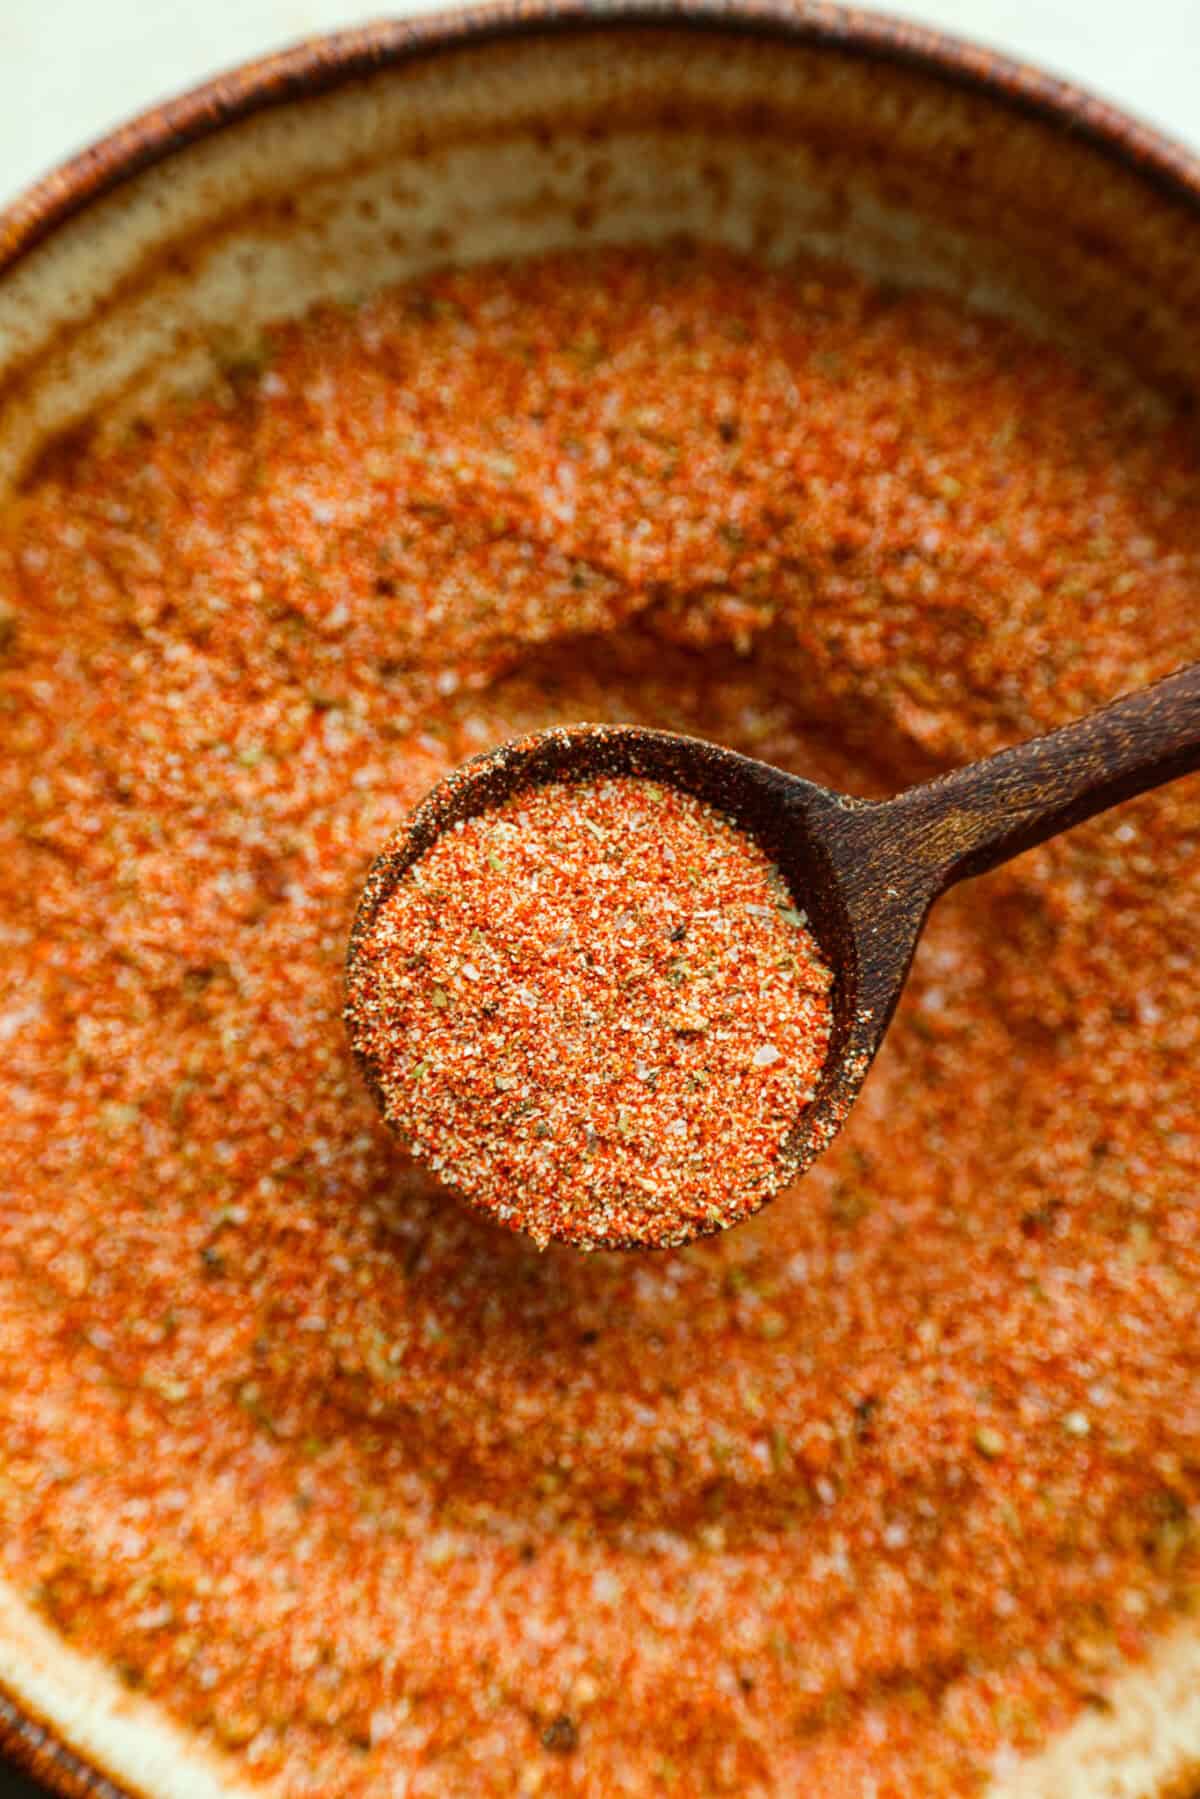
column 622, row 134
column 458, row 144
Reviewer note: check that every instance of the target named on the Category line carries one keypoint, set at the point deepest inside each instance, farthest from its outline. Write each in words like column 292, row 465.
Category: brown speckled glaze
column 1166, row 175
column 323, row 63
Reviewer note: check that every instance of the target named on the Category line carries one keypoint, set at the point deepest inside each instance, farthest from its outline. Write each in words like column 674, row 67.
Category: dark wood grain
column 971, row 820
column 891, row 859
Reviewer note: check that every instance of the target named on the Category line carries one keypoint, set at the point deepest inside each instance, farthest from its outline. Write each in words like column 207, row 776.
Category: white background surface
column 69, row 69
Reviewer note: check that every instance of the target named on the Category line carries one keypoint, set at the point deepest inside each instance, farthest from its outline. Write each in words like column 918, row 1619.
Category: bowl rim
column 319, row 64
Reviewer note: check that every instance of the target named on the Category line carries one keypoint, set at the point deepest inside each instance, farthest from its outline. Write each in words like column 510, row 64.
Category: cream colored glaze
column 495, row 151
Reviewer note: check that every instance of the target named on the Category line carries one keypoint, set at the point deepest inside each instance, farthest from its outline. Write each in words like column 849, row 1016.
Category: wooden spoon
column 865, row 871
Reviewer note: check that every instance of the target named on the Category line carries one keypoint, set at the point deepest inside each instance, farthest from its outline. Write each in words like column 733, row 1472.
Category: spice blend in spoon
column 595, row 1011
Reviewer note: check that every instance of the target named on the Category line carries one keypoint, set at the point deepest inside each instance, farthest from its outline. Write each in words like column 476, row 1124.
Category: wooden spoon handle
column 974, row 818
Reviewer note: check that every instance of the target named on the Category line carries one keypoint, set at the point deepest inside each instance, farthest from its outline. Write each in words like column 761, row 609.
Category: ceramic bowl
column 360, row 159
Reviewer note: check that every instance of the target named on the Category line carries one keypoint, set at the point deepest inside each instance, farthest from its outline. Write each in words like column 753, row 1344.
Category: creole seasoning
column 882, row 1485
column 596, row 1012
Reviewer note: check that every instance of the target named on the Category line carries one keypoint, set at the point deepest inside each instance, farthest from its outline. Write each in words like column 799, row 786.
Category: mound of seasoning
column 596, row 1011
column 372, row 1497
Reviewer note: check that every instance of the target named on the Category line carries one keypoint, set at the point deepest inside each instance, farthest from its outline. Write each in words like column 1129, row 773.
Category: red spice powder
column 895, row 1476
column 596, row 1012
